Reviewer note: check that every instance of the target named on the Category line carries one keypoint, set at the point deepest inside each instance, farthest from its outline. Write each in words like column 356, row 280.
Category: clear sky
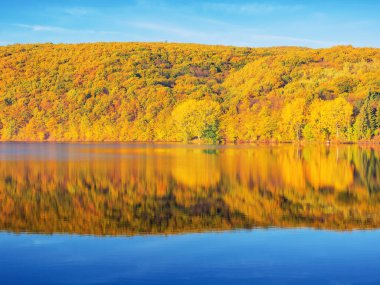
column 243, row 23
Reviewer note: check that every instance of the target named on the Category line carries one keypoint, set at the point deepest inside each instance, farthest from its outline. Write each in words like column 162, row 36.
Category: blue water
column 261, row 256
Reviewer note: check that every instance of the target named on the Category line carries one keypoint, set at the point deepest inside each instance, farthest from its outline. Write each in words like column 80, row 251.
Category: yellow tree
column 292, row 119
column 194, row 117
column 338, row 116
column 328, row 119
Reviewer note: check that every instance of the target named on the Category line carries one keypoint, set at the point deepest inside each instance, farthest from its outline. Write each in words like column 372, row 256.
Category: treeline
column 336, row 187
column 184, row 92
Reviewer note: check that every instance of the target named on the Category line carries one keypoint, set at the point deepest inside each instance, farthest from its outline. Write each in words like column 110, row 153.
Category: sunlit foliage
column 197, row 118
column 134, row 91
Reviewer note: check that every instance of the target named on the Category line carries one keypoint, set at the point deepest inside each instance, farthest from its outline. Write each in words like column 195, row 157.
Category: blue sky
column 242, row 23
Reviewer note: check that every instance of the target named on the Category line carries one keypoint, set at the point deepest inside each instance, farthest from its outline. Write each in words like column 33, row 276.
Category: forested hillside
column 184, row 92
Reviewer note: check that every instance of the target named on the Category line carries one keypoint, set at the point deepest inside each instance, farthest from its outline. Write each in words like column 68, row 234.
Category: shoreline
column 302, row 143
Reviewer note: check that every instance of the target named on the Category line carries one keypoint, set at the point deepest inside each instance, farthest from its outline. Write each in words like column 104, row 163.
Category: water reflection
column 113, row 189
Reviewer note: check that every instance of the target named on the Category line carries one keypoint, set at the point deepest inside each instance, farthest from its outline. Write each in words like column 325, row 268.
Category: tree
column 196, row 118
column 293, row 119
column 366, row 123
column 328, row 119
column 338, row 115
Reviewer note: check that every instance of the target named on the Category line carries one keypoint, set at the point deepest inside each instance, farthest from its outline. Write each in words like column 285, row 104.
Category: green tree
column 366, row 123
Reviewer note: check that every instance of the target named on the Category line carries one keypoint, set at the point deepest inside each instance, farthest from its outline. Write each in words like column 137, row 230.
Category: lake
column 189, row 214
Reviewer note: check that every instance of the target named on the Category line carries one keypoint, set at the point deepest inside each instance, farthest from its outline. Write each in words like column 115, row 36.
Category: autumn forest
column 188, row 92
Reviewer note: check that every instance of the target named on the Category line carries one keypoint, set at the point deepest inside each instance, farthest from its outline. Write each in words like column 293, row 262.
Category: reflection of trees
column 367, row 165
column 195, row 168
column 167, row 190
column 329, row 168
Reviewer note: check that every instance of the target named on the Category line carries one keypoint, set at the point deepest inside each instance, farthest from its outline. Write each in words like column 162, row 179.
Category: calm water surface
column 173, row 214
